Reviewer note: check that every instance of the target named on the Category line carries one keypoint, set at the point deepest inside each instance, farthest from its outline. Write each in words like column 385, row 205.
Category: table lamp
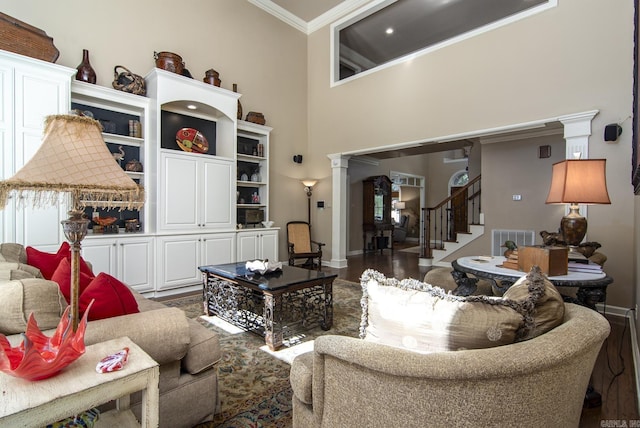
column 74, row 161
column 579, row 181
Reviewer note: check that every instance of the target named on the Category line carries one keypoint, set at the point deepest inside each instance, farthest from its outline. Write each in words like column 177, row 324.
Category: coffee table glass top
column 288, row 276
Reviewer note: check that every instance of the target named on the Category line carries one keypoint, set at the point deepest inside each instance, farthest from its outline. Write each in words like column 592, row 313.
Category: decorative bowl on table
column 267, row 223
column 263, row 266
column 39, row 356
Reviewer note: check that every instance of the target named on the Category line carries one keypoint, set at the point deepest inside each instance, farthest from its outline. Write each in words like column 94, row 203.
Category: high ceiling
column 309, row 15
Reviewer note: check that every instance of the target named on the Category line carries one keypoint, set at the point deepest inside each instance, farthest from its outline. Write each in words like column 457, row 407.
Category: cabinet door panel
column 136, row 261
column 180, row 186
column 37, row 97
column 101, row 253
column 39, row 227
column 218, row 179
column 179, row 258
column 218, row 248
column 247, row 246
column 269, row 246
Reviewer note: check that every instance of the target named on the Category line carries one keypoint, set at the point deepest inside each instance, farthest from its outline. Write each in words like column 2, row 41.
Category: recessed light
column 389, row 30
column 191, row 107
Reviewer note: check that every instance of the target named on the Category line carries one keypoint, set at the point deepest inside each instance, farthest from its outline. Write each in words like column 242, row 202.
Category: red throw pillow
column 62, row 276
column 48, row 262
column 112, row 298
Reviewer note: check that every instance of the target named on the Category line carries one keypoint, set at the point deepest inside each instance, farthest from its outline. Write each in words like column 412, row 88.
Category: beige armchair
column 540, row 382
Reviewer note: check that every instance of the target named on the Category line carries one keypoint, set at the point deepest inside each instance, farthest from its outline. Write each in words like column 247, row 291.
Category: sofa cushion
column 204, row 349
column 15, row 270
column 62, row 276
column 12, row 252
column 48, row 262
column 112, row 298
column 161, row 333
column 424, row 318
column 22, row 297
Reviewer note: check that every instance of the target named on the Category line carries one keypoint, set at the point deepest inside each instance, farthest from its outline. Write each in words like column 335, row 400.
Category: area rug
column 254, row 381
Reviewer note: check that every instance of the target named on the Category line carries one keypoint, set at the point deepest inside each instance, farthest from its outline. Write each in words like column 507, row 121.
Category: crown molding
column 333, row 14
column 313, row 25
column 281, row 13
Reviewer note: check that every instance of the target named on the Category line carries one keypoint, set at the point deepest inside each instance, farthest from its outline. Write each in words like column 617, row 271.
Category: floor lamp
column 308, row 187
column 73, row 161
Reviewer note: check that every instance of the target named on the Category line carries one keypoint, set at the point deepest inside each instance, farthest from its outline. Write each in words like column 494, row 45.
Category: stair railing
column 438, row 222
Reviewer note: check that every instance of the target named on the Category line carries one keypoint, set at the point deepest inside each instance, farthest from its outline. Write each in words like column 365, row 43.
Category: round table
column 592, row 287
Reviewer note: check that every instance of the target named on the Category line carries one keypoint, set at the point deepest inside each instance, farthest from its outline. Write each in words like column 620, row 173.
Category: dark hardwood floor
column 613, row 375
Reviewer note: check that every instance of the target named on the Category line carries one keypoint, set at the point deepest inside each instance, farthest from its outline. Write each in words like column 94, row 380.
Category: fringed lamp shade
column 73, row 161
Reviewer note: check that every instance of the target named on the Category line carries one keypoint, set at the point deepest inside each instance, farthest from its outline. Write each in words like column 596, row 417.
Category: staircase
column 451, row 224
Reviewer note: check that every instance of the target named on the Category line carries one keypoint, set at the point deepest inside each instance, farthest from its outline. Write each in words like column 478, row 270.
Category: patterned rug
column 254, row 381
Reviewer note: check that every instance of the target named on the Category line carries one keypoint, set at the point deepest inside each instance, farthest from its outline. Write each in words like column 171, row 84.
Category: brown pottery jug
column 169, row 61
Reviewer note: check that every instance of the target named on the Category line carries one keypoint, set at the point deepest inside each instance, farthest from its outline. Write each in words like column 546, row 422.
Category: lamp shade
column 74, row 159
column 309, row 183
column 579, row 182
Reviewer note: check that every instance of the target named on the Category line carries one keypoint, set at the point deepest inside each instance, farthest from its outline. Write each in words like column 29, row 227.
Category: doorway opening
column 459, row 207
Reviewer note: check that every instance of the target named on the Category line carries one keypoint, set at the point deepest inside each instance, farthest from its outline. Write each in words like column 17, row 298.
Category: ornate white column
column 339, row 165
column 577, row 130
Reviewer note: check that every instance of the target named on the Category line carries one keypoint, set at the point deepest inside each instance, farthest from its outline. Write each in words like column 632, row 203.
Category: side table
column 79, row 387
column 592, row 287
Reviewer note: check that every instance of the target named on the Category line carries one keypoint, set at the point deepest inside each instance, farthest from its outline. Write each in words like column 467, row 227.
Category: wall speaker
column 297, row 158
column 612, row 132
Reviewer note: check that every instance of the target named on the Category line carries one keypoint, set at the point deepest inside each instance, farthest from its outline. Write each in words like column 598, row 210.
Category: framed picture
column 635, row 139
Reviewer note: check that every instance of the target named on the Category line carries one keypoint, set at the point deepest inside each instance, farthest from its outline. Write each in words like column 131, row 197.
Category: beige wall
column 573, row 58
column 263, row 55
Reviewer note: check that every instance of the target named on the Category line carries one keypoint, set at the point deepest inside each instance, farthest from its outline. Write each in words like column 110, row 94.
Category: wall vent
column 520, row 237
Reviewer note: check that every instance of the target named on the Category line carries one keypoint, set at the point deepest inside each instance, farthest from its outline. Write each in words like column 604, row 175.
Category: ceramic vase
column 86, row 73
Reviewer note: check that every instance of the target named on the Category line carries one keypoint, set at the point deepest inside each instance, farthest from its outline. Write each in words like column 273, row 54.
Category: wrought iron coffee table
column 273, row 305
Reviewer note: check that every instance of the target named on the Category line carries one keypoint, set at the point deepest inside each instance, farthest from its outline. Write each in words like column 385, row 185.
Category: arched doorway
column 459, row 202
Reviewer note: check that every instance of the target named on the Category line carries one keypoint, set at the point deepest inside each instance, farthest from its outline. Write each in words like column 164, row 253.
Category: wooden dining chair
column 301, row 245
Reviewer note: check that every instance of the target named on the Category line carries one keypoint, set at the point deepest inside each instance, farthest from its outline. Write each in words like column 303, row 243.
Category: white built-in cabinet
column 30, row 90
column 258, row 244
column 179, row 257
column 131, row 259
column 193, row 192
column 196, row 204
column 198, row 199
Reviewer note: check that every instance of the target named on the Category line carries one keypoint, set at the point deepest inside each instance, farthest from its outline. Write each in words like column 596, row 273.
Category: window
column 459, row 179
column 391, row 30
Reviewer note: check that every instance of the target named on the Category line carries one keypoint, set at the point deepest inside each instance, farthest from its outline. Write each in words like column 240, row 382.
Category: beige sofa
column 538, row 382
column 186, row 351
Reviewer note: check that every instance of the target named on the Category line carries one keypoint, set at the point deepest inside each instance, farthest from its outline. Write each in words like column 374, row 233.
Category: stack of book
column 584, row 267
column 512, row 261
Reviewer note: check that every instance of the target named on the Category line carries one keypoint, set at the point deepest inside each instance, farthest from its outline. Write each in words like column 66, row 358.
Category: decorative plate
column 192, row 140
